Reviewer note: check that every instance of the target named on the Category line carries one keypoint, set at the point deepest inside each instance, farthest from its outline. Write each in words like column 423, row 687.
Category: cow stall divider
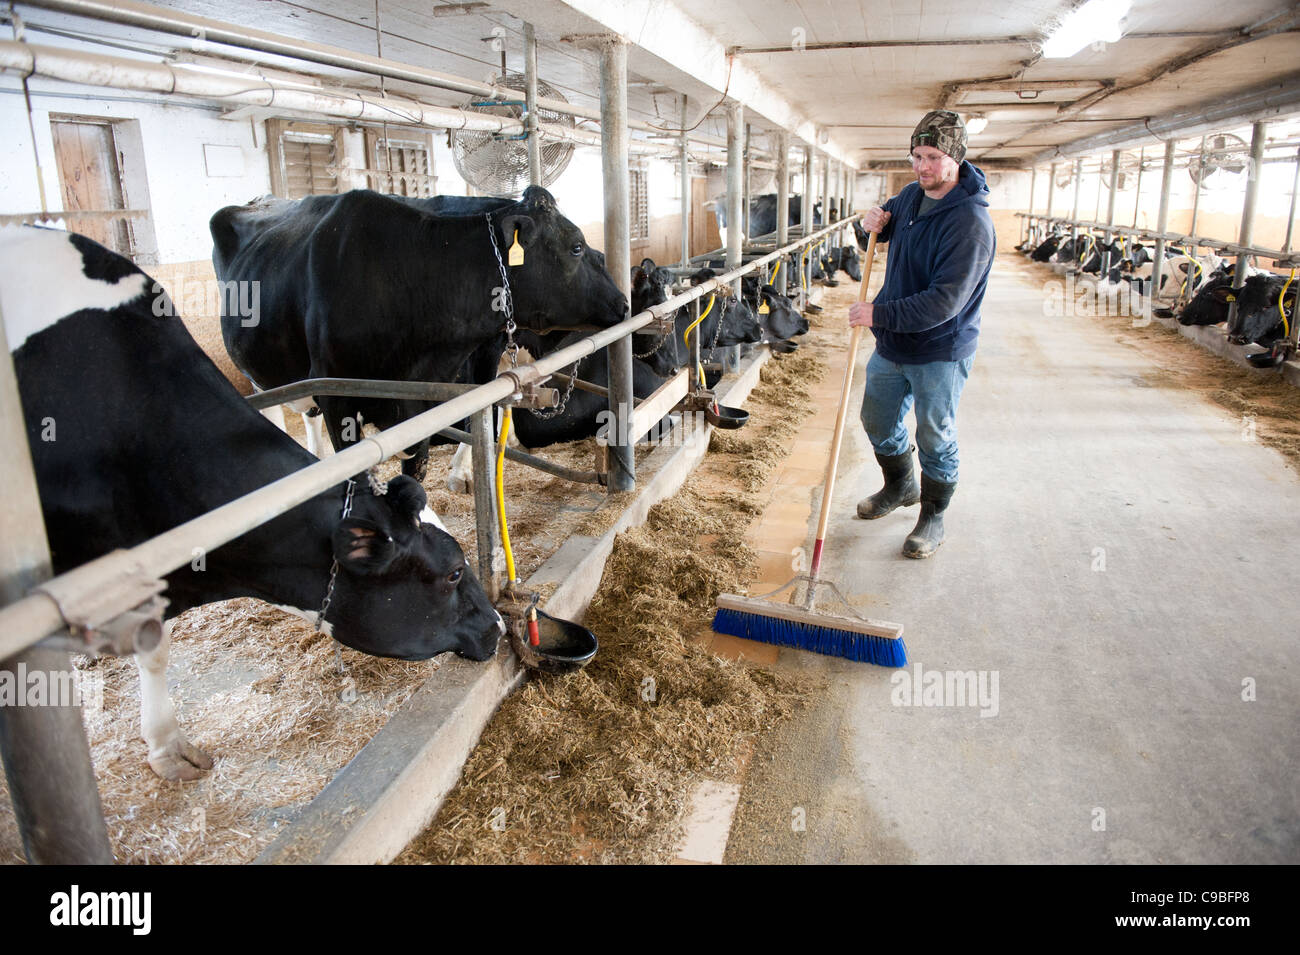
column 60, row 818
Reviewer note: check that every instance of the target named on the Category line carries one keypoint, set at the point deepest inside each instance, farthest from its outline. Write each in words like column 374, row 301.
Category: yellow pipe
column 1286, row 328
column 501, row 493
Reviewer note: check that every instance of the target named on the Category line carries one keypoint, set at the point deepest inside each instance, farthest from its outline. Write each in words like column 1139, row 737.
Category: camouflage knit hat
column 943, row 130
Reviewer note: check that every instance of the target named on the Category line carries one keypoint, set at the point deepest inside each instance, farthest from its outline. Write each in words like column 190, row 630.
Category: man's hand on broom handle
column 860, row 314
column 873, row 220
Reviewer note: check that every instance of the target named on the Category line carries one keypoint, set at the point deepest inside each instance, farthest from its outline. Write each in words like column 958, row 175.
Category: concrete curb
column 390, row 790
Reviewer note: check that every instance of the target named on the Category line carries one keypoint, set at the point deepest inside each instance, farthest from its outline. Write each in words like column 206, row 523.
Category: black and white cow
column 148, row 434
column 363, row 285
column 1258, row 319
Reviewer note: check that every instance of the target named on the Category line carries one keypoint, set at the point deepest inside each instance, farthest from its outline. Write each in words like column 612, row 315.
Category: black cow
column 1257, row 320
column 781, row 321
column 844, row 259
column 1047, row 248
column 150, row 435
column 370, row 286
column 762, row 214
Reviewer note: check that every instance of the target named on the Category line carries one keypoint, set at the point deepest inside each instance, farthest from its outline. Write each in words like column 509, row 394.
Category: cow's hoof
column 180, row 759
column 460, row 485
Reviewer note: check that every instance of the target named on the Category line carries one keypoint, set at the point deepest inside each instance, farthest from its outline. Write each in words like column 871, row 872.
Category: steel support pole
column 730, row 356
column 530, row 100
column 1290, row 216
column 487, row 528
column 686, row 192
column 782, row 202
column 1162, row 218
column 1110, row 208
column 806, row 218
column 747, row 190
column 1051, row 188
column 1078, row 181
column 1196, row 196
column 618, row 251
column 1254, row 173
column 1137, row 196
column 44, row 749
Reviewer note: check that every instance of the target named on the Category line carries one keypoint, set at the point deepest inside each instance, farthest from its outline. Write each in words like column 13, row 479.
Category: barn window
column 305, row 158
column 400, row 165
column 640, row 205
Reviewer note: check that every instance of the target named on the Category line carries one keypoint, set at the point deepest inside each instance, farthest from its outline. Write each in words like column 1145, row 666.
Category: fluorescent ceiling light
column 975, row 124
column 1095, row 21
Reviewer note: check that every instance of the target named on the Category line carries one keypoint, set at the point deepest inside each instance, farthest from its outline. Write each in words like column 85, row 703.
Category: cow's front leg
column 171, row 755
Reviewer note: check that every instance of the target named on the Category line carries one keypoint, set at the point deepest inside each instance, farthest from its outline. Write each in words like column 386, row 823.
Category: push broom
column 798, row 624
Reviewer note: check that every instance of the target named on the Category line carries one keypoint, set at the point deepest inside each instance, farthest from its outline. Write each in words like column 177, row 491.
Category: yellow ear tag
column 516, row 253
column 763, row 309
column 1230, row 298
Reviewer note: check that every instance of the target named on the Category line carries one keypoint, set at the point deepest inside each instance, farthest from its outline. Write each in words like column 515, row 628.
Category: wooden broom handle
column 833, row 464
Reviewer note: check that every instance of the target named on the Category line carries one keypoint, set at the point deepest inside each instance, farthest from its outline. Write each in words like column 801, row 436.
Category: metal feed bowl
column 565, row 646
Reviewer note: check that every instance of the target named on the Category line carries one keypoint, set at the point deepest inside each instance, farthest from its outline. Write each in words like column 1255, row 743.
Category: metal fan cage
column 498, row 166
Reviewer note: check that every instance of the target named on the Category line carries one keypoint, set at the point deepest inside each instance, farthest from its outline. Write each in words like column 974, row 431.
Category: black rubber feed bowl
column 784, row 347
column 811, row 309
column 565, row 646
column 1266, row 359
column 728, row 419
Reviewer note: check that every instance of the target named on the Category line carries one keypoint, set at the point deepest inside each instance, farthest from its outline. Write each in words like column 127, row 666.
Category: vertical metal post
column 487, row 529
column 1196, row 196
column 1110, row 208
column 1290, row 216
column 1162, row 218
column 1137, row 197
column 1078, row 181
column 1254, row 173
column 1096, row 208
column 746, row 159
column 686, row 192
column 44, row 749
column 618, row 251
column 782, row 202
column 1051, row 188
column 730, row 356
column 530, row 100
column 806, row 218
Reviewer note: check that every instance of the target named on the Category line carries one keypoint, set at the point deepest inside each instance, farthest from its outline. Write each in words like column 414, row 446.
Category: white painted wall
column 182, row 195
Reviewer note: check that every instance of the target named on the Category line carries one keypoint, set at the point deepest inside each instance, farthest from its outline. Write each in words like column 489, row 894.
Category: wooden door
column 90, row 180
column 704, row 224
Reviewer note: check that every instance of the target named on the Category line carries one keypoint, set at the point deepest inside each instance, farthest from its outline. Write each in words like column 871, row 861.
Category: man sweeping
column 926, row 321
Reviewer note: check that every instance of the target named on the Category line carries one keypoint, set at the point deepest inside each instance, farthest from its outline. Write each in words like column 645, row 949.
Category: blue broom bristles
column 831, row 641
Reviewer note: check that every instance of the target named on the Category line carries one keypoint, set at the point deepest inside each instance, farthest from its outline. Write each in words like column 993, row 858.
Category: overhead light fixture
column 975, row 124
column 1097, row 21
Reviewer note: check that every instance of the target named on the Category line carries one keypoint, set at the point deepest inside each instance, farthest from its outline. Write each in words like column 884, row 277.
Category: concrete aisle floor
column 1122, row 560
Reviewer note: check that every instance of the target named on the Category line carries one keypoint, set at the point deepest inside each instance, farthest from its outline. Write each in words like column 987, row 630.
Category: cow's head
column 1257, row 319
column 403, row 588
column 851, row 263
column 560, row 284
column 650, row 285
column 1210, row 305
column 781, row 320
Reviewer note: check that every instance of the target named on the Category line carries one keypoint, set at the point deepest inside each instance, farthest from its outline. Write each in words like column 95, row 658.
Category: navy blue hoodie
column 929, row 307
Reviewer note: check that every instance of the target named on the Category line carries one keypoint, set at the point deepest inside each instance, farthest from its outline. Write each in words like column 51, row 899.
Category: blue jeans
column 936, row 388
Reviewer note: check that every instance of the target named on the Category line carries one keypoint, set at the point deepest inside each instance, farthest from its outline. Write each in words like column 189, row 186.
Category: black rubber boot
column 928, row 533
column 900, row 490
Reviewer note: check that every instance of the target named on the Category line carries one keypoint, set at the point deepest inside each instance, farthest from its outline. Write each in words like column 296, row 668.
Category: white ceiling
column 867, row 99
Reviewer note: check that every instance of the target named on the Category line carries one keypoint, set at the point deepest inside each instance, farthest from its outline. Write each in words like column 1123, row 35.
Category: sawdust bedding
column 263, row 694
column 596, row 766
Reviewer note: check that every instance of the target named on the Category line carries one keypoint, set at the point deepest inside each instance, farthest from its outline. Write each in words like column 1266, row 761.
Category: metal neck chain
column 508, row 305
column 334, row 570
column 559, row 409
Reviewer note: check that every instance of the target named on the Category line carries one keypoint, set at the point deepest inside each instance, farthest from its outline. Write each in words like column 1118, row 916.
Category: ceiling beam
column 1283, row 22
column 968, row 41
column 1279, row 98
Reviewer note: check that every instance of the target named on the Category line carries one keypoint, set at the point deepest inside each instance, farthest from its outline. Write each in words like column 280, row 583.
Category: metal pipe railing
column 1276, row 256
column 37, row 615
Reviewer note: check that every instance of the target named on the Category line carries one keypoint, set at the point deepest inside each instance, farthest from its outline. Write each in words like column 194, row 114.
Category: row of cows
column 1204, row 286
column 133, row 430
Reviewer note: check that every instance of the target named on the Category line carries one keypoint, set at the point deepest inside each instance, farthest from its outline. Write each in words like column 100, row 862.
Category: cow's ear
column 363, row 547
column 649, row 265
column 525, row 225
column 639, row 277
column 407, row 498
